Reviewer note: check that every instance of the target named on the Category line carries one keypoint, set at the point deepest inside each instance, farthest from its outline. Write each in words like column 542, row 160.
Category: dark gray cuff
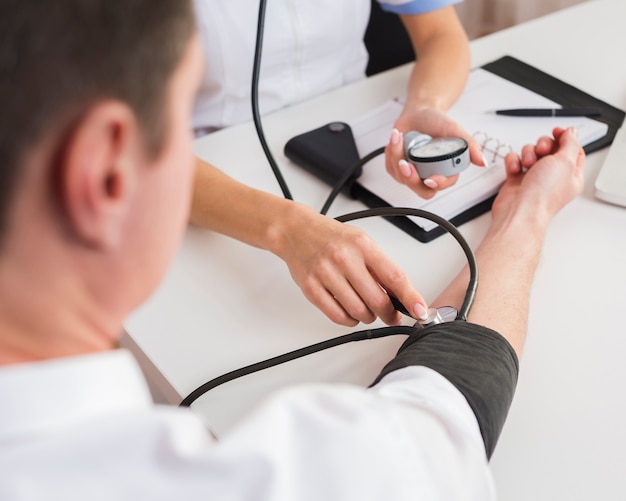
column 478, row 361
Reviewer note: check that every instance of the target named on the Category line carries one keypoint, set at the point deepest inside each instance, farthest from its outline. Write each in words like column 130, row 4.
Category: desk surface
column 224, row 305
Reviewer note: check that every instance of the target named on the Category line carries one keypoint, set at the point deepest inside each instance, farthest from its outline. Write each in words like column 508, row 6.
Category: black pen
column 550, row 112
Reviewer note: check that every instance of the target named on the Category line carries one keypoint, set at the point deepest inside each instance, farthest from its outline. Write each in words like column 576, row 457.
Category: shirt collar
column 39, row 397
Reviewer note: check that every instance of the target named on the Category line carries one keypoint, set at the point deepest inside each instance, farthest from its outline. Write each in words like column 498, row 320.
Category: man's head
column 57, row 59
column 95, row 151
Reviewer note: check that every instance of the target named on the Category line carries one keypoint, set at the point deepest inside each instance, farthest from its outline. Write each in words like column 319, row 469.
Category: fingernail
column 395, row 136
column 405, row 168
column 485, row 162
column 420, row 311
column 431, row 183
column 574, row 131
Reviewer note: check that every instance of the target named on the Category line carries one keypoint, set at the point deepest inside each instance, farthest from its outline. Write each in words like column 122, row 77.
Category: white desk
column 225, row 305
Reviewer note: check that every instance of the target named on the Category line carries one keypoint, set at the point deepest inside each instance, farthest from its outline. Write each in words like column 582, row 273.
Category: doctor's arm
column 437, row 79
column 338, row 267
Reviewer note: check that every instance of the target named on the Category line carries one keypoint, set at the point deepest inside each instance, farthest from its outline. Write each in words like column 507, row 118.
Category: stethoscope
column 445, row 156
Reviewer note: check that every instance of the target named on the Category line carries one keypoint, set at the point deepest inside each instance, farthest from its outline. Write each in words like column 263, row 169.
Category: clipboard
column 508, row 68
column 560, row 92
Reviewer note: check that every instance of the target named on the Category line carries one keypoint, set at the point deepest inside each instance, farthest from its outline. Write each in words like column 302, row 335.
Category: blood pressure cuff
column 478, row 361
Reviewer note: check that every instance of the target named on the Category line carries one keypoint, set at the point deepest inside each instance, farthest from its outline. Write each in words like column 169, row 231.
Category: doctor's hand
column 340, row 269
column 435, row 123
column 343, row 272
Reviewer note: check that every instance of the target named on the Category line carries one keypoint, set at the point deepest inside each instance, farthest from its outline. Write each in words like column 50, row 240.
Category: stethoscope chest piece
column 438, row 316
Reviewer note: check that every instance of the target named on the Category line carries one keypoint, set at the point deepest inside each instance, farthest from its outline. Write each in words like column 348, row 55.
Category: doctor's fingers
column 405, row 173
column 355, row 289
column 342, row 303
column 328, row 304
column 397, row 284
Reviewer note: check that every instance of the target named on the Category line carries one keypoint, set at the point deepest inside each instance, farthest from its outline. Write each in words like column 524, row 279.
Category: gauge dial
column 438, row 149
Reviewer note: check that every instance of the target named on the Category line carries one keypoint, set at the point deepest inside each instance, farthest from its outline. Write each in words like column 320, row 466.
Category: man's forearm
column 507, row 260
column 480, row 357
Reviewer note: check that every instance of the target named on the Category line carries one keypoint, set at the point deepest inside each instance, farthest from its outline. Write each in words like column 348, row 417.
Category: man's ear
column 96, row 173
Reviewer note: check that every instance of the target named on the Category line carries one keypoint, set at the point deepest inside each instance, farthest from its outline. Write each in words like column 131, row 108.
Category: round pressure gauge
column 445, row 156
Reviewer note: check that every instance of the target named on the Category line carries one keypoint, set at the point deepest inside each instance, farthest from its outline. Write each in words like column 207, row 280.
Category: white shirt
column 84, row 428
column 309, row 47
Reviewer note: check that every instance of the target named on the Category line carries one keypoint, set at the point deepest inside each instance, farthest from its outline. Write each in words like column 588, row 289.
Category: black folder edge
column 527, row 76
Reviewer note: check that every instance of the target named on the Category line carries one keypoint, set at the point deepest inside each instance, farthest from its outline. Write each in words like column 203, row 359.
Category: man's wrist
column 525, row 215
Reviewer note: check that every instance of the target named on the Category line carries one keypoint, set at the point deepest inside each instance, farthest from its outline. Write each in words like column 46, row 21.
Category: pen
column 550, row 112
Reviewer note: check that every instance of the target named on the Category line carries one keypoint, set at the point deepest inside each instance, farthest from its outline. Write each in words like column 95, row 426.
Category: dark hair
column 59, row 57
